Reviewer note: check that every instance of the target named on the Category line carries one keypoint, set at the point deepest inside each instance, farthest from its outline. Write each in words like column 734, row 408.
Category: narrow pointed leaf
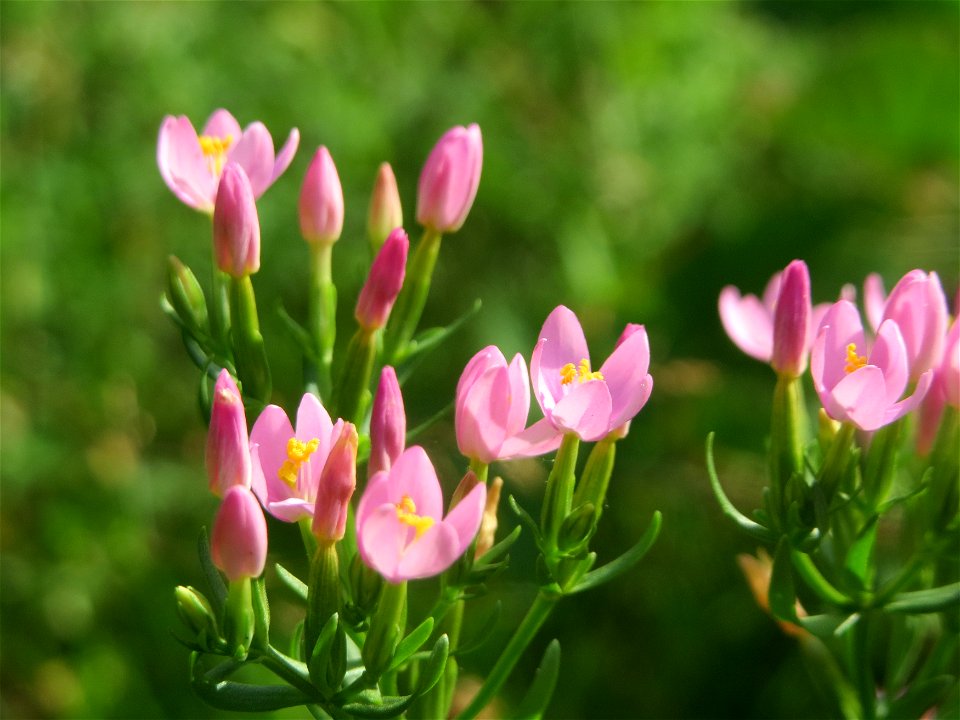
column 623, row 563
column 300, row 336
column 926, row 601
column 434, row 666
column 500, row 549
column 535, row 702
column 411, row 643
column 390, row 707
column 746, row 524
column 434, row 337
column 298, row 586
column 524, row 518
column 861, row 551
column 815, row 580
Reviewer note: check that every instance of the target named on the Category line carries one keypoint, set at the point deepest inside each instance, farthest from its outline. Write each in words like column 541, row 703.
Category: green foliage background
column 638, row 156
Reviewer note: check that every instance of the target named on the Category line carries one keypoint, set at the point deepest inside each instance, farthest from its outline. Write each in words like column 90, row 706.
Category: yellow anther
column 854, row 361
column 586, row 374
column 568, row 373
column 298, row 452
column 407, row 514
column 215, row 148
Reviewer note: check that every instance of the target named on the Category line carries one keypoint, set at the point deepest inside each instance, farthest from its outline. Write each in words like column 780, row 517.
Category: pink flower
column 949, row 371
column 779, row 329
column 874, row 299
column 236, row 227
column 383, row 284
column 386, row 212
column 191, row 165
column 238, row 543
column 228, row 452
column 449, row 180
column 574, row 397
column 401, row 531
column 388, row 424
column 337, row 483
column 287, row 464
column 321, row 200
column 858, row 384
column 493, row 400
column 919, row 307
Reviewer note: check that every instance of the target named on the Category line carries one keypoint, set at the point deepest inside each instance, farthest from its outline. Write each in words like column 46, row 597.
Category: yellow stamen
column 407, row 514
column 854, row 361
column 215, row 148
column 568, row 373
column 298, row 452
column 586, row 375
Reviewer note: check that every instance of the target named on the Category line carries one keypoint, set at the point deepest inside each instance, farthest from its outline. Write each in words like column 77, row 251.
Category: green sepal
column 261, row 613
column 750, row 527
column 295, row 584
column 186, row 296
column 526, row 520
column 782, row 595
column 623, row 563
column 576, row 529
column 921, row 696
column 410, row 644
column 218, row 589
column 535, row 702
column 328, row 659
column 433, row 668
column 857, row 562
column 432, row 338
column 925, row 601
column 483, row 635
column 228, row 695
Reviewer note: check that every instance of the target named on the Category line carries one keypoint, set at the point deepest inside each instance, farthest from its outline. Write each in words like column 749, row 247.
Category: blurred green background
column 638, row 156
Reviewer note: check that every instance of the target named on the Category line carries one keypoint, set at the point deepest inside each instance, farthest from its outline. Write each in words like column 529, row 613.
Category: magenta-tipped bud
column 385, row 212
column 384, row 282
column 321, row 200
column 950, row 366
column 388, row 424
column 228, row 450
column 449, row 181
column 238, row 545
column 337, row 483
column 919, row 307
column 791, row 321
column 236, row 227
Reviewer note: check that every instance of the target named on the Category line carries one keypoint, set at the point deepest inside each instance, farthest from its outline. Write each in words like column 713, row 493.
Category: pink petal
column 950, row 366
column 791, row 321
column 919, row 306
column 890, row 355
column 182, row 164
column 254, row 152
column 747, row 322
column 413, row 475
column 291, row 509
column 540, row 438
column 585, row 411
column 861, row 394
column 908, row 404
column 625, row 374
column 482, row 414
column 221, row 124
column 772, row 291
column 840, row 327
column 519, row 394
column 270, row 434
column 874, row 299
column 466, row 516
column 489, row 357
column 378, row 492
column 816, row 318
column 430, row 554
column 561, row 342
column 380, row 539
column 285, row 156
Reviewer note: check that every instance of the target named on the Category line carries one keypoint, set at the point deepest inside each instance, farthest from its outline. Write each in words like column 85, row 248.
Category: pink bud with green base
column 321, row 200
column 337, row 483
column 236, row 227
column 449, row 180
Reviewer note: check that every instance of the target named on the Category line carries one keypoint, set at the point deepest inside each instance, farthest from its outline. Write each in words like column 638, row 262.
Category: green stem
column 480, row 469
column 558, row 496
column 386, row 629
column 220, row 307
column 786, row 448
column 412, row 299
column 293, row 671
column 596, row 476
column 248, row 348
column 837, row 460
column 861, row 669
column 881, row 463
column 323, row 596
column 537, row 614
column 322, row 298
column 353, row 386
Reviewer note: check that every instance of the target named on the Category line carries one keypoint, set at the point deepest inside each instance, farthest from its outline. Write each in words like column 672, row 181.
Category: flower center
column 215, row 149
column 854, row 361
column 570, row 373
column 298, row 452
column 407, row 514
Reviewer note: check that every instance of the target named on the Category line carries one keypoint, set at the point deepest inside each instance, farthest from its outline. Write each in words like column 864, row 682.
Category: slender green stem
column 861, row 669
column 322, row 298
column 386, row 628
column 293, row 671
column 412, row 299
column 480, row 469
column 786, row 448
column 881, row 463
column 837, row 460
column 558, row 496
column 537, row 614
column 248, row 348
column 354, row 382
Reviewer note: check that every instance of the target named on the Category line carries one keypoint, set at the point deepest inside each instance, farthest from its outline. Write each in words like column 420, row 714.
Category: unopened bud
column 388, row 423
column 385, row 213
column 384, row 282
column 186, row 295
column 195, row 611
column 468, row 483
column 336, row 486
column 228, row 451
column 577, row 527
column 449, row 180
column 321, row 200
column 236, row 227
column 365, row 584
column 238, row 543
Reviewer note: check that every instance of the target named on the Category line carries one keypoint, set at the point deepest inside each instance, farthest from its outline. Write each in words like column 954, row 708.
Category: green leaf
column 500, row 549
column 925, row 601
column 823, row 626
column 815, row 580
column 782, row 596
column 861, row 551
column 535, row 702
column 433, row 668
column 389, row 707
column 920, row 697
column 218, row 590
column 298, row 586
column 228, row 695
column 623, row 563
column 524, row 518
column 746, row 524
column 411, row 643
column 433, row 337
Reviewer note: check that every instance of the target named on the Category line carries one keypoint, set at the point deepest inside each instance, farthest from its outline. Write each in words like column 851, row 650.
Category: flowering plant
column 358, row 650
column 862, row 513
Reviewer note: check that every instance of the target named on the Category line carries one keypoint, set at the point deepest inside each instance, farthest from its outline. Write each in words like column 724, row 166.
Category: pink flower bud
column 238, row 544
column 321, row 200
column 384, row 282
column 385, row 211
column 228, row 453
column 448, row 183
column 791, row 321
column 337, row 483
column 236, row 227
column 919, row 307
column 388, row 424
column 950, row 366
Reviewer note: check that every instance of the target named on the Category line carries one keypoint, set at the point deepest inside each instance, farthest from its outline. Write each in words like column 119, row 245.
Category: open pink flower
column 287, row 463
column 493, row 401
column 858, row 384
column 574, row 397
column 191, row 164
column 918, row 305
column 401, row 531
